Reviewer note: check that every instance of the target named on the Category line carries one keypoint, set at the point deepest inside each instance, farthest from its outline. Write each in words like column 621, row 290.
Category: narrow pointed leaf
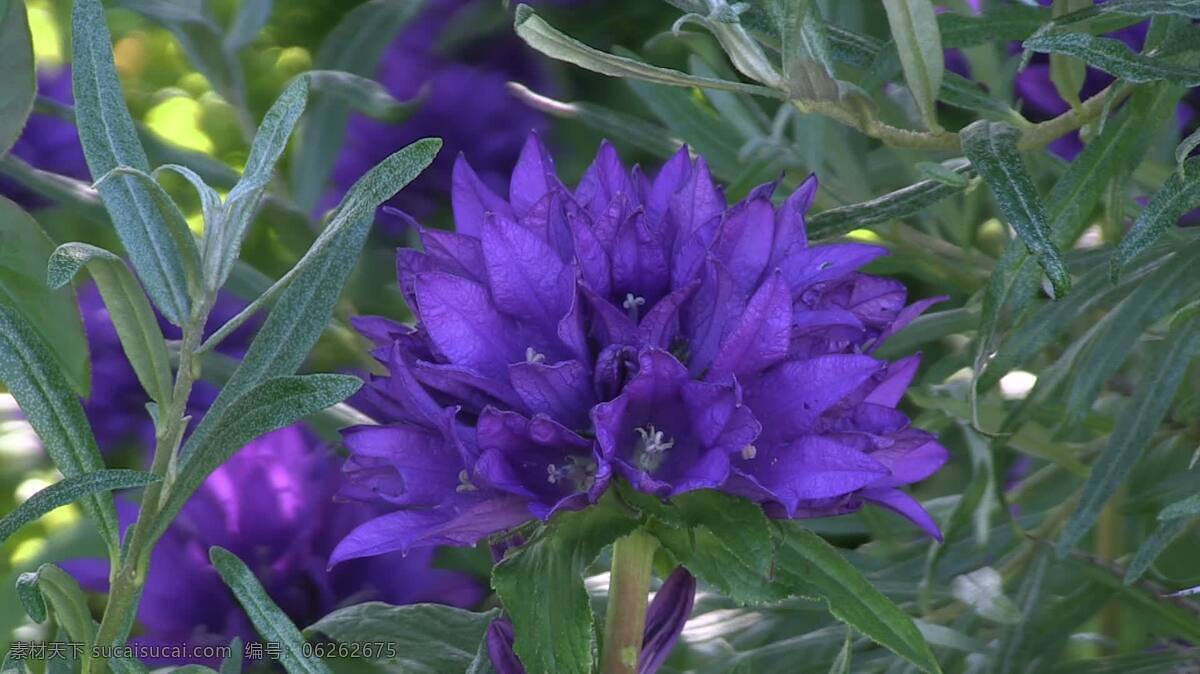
column 61, row 595
column 1176, row 197
column 270, row 405
column 1147, row 408
column 69, row 491
column 919, row 43
column 20, row 81
column 992, row 149
column 902, row 203
column 362, row 94
column 1163, row 535
column 109, row 140
column 210, row 200
column 130, row 311
column 809, row 563
column 370, row 27
column 28, row 370
column 270, row 622
column 1114, row 57
column 553, row 43
column 251, row 16
column 53, row 313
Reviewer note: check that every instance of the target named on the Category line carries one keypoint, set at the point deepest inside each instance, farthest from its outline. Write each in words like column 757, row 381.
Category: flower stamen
column 651, row 447
column 633, row 304
column 464, row 482
column 579, row 470
column 532, row 356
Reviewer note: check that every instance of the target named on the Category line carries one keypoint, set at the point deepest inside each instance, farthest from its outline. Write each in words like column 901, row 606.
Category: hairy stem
column 628, row 591
column 127, row 579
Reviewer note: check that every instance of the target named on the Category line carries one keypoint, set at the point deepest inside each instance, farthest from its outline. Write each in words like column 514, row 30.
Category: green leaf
column 942, row 174
column 965, row 94
column 28, row 369
column 370, row 27
column 223, row 238
column 725, row 541
column 1114, row 57
column 202, row 41
column 919, row 42
column 900, row 204
column 210, row 199
column 807, row 62
column 841, row 664
column 1013, row 652
column 1177, row 196
column 805, row 560
column 713, row 137
column 541, row 586
column 1067, row 73
column 61, row 594
column 1153, row 397
column 1143, row 8
column 270, row 622
column 308, row 292
column 130, row 311
column 233, row 663
column 251, row 16
column 545, row 38
column 363, row 94
column 1163, row 535
column 31, row 600
column 53, row 314
column 109, row 140
column 428, row 638
column 69, row 491
column 1181, row 508
column 20, row 79
column 992, row 149
column 1185, row 148
column 270, row 405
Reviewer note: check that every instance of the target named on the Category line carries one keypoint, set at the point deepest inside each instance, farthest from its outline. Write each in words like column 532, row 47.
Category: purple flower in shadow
column 633, row 326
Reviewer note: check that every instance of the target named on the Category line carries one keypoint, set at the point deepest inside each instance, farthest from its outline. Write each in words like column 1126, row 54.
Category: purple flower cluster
column 48, row 143
column 631, row 328
column 462, row 99
column 272, row 506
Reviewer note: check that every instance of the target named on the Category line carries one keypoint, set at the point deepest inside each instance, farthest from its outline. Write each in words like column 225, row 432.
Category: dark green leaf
column 270, row 622
column 20, row 78
column 992, row 149
column 24, row 250
column 131, row 314
column 541, row 586
column 919, row 43
column 1180, row 194
column 61, row 594
column 805, row 560
column 370, row 27
column 69, row 491
column 308, row 292
column 223, row 238
column 553, row 43
column 428, row 638
column 1134, row 429
column 28, row 369
column 233, row 663
column 109, row 140
column 1183, row 508
column 1114, row 57
column 1163, row 535
column 899, row 204
column 271, row 404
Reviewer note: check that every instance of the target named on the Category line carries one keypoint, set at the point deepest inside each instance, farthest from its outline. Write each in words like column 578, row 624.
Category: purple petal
column 791, row 397
column 533, row 177
column 562, row 391
column 464, row 324
column 472, row 517
column 912, row 456
column 660, row 325
column 791, row 234
column 808, row 266
column 698, row 202
column 665, row 619
column 591, row 255
column 458, row 254
column 527, row 279
column 472, row 200
column 905, row 506
column 899, row 375
column 812, row 467
column 500, row 647
column 762, row 336
column 907, row 315
column 427, row 465
column 744, row 243
column 710, row 315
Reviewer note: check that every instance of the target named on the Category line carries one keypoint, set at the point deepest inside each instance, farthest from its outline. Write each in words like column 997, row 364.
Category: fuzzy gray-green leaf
column 20, row 80
column 68, row 491
column 919, row 43
column 1114, row 57
column 109, row 140
column 270, row 622
column 1177, row 196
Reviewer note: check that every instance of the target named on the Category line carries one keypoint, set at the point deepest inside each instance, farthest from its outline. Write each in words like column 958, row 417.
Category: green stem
column 628, row 591
column 127, row 579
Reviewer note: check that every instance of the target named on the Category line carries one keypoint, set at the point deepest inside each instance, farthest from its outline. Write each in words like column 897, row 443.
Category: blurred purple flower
column 272, row 506
column 48, row 143
column 464, row 101
column 116, row 407
column 665, row 619
column 637, row 326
